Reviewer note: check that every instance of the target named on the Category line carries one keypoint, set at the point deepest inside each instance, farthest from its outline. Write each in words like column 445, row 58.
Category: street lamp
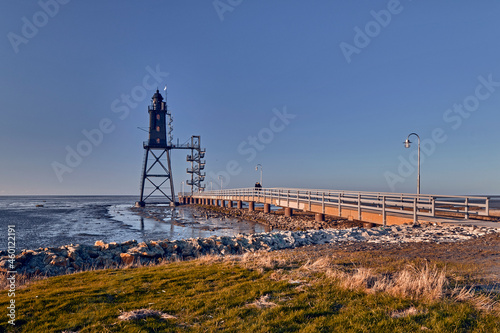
column 407, row 145
column 220, row 178
column 257, row 169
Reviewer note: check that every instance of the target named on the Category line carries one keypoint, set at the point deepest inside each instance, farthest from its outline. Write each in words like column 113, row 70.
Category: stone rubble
column 275, row 220
column 73, row 258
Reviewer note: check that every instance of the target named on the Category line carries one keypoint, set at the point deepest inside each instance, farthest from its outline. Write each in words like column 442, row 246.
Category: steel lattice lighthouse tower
column 157, row 170
column 157, row 150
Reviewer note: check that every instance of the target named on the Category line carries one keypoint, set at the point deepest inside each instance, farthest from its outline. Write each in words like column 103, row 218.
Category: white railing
column 383, row 202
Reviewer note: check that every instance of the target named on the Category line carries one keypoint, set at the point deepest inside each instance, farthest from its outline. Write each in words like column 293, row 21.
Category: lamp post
column 220, row 178
column 182, row 185
column 407, row 145
column 257, row 169
column 211, row 186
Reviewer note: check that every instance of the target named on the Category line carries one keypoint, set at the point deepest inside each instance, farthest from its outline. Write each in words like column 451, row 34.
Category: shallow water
column 86, row 219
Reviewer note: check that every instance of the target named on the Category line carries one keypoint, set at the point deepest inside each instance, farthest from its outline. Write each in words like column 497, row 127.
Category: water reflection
column 162, row 222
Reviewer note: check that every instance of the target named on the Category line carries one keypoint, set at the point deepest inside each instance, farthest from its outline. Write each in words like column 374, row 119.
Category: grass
column 263, row 292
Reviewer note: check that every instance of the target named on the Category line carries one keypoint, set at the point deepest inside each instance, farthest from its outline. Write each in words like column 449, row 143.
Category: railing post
column 384, row 220
column 359, row 206
column 433, row 206
column 340, row 204
column 309, row 200
column 487, row 206
column 415, row 210
column 288, row 198
column 466, row 208
column 298, row 195
column 323, row 202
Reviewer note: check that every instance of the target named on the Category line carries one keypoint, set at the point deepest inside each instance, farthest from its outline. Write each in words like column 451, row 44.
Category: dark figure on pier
column 258, row 187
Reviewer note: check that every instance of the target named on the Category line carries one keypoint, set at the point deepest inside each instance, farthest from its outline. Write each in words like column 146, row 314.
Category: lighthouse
column 156, row 176
column 157, row 122
column 157, row 170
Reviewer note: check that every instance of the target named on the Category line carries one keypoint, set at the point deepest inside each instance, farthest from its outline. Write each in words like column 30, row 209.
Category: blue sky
column 321, row 93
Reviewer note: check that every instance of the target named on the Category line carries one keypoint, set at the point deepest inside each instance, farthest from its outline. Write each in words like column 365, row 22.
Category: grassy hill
column 307, row 290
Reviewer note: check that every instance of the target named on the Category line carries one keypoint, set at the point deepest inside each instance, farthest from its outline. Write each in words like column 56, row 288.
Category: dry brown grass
column 320, row 265
column 262, row 303
column 143, row 314
column 484, row 302
column 209, row 259
column 22, row 280
column 262, row 261
column 416, row 281
column 411, row 311
column 426, row 282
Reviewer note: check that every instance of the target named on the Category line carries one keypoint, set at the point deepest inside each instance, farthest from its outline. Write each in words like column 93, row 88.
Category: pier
column 376, row 207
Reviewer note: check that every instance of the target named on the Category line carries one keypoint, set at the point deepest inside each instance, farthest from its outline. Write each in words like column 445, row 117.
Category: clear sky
column 321, row 93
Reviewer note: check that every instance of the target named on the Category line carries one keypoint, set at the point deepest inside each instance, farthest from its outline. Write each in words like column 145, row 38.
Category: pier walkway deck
column 375, row 207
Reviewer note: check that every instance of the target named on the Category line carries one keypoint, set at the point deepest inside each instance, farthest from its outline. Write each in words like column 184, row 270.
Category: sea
column 50, row 221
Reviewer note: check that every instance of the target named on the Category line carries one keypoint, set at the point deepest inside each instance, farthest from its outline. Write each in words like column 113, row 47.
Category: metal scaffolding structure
column 197, row 165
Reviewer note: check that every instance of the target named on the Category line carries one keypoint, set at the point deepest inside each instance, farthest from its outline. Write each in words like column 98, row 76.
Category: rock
column 70, row 258
column 93, row 253
column 59, row 261
column 99, row 243
column 127, row 258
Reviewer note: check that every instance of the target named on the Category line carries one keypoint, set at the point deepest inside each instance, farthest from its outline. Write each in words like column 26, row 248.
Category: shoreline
column 71, row 258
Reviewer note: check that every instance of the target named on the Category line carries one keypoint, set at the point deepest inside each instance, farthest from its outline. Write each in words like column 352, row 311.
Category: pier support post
column 267, row 208
column 288, row 212
column 230, row 204
column 251, row 206
column 223, row 203
column 239, row 204
column 319, row 217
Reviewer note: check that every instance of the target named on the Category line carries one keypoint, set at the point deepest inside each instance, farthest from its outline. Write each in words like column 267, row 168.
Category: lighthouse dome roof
column 157, row 96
